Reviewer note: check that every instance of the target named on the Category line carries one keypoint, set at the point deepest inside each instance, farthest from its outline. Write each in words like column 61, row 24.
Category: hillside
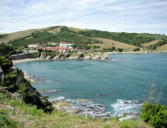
column 86, row 39
column 14, row 113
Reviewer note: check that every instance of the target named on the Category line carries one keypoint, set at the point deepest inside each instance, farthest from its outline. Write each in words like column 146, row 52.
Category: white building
column 52, row 43
column 65, row 44
column 32, row 46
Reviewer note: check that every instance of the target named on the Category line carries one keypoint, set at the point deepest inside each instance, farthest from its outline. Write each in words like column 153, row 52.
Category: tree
column 6, row 50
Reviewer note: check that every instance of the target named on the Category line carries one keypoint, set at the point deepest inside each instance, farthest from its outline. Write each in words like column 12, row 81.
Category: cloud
column 112, row 15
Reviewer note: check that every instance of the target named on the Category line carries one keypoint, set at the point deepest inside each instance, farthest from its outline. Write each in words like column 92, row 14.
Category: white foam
column 61, row 98
column 125, row 106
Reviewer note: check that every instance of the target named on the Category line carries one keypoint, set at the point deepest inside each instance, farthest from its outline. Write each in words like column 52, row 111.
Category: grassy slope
column 20, row 34
column 15, row 113
column 150, row 43
column 108, row 43
column 162, row 48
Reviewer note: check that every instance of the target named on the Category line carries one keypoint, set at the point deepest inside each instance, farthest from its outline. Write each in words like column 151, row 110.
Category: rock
column 1, row 74
column 88, row 57
column 73, row 58
column 82, row 101
column 97, row 57
column 62, row 105
column 127, row 116
column 29, row 78
column 48, row 57
column 17, row 96
column 55, row 58
column 10, row 107
column 72, row 111
column 80, row 56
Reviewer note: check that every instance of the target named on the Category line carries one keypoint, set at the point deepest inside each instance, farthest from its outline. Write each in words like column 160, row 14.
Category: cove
column 120, row 85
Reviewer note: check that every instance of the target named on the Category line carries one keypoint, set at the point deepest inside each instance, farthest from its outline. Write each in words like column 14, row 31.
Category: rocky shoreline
column 65, row 56
column 85, row 108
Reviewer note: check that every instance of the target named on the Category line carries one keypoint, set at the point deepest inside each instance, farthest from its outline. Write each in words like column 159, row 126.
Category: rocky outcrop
column 24, row 56
column 15, row 83
column 1, row 74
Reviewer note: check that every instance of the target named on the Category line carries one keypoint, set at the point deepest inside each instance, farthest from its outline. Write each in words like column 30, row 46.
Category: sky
column 110, row 15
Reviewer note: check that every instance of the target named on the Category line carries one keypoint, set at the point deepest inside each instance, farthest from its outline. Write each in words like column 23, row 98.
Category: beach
column 26, row 60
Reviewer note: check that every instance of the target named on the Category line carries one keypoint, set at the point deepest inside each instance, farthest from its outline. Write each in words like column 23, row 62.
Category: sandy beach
column 26, row 60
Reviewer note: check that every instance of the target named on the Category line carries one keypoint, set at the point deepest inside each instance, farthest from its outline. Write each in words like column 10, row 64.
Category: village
column 57, row 51
column 61, row 47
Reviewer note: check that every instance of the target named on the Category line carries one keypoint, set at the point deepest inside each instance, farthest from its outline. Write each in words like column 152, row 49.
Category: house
column 52, row 43
column 32, row 45
column 29, row 51
column 65, row 44
column 59, row 49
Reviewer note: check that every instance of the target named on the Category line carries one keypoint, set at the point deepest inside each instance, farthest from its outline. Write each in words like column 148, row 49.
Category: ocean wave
column 81, row 107
column 126, row 106
column 61, row 98
column 87, row 108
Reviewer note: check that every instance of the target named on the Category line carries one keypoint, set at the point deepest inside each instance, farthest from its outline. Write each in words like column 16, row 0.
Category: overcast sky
column 111, row 15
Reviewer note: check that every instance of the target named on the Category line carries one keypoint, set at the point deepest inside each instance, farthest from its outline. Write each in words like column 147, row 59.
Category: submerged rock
column 82, row 101
column 62, row 105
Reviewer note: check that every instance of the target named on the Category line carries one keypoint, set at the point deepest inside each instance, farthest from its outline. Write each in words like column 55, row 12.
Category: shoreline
column 106, row 53
column 146, row 52
column 26, row 60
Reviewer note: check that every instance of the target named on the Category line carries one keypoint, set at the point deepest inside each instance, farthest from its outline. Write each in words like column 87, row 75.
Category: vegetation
column 5, row 63
column 129, row 38
column 6, row 50
column 6, row 121
column 155, row 115
column 136, row 49
column 64, row 35
column 2, row 35
column 15, row 113
column 14, row 82
column 160, row 43
column 83, row 38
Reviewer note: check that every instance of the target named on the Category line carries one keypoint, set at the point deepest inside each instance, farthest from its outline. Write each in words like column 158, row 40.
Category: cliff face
column 12, row 79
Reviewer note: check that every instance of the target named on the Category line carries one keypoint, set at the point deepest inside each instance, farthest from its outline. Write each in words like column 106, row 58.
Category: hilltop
column 88, row 39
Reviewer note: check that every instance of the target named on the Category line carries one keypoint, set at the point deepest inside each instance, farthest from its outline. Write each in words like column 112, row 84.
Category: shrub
column 136, row 49
column 5, row 63
column 6, row 50
column 120, row 49
column 6, row 122
column 15, row 82
column 155, row 114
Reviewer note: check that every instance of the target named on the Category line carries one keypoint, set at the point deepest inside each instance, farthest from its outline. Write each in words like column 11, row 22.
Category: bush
column 6, row 122
column 6, row 50
column 155, row 114
column 15, row 82
column 120, row 49
column 136, row 49
column 5, row 63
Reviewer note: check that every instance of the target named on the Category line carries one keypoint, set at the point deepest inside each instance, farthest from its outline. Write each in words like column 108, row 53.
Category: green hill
column 84, row 38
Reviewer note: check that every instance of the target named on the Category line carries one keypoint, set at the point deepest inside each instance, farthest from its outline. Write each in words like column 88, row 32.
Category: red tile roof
column 57, row 48
column 64, row 42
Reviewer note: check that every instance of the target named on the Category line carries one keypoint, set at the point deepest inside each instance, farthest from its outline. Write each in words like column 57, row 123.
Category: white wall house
column 65, row 44
column 32, row 46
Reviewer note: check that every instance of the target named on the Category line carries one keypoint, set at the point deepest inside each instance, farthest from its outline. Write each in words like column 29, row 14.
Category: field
column 108, row 43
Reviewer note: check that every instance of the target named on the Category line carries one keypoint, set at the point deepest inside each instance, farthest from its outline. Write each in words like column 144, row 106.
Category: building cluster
column 62, row 47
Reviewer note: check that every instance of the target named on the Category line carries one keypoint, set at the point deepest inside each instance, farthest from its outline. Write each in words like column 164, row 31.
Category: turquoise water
column 119, row 85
